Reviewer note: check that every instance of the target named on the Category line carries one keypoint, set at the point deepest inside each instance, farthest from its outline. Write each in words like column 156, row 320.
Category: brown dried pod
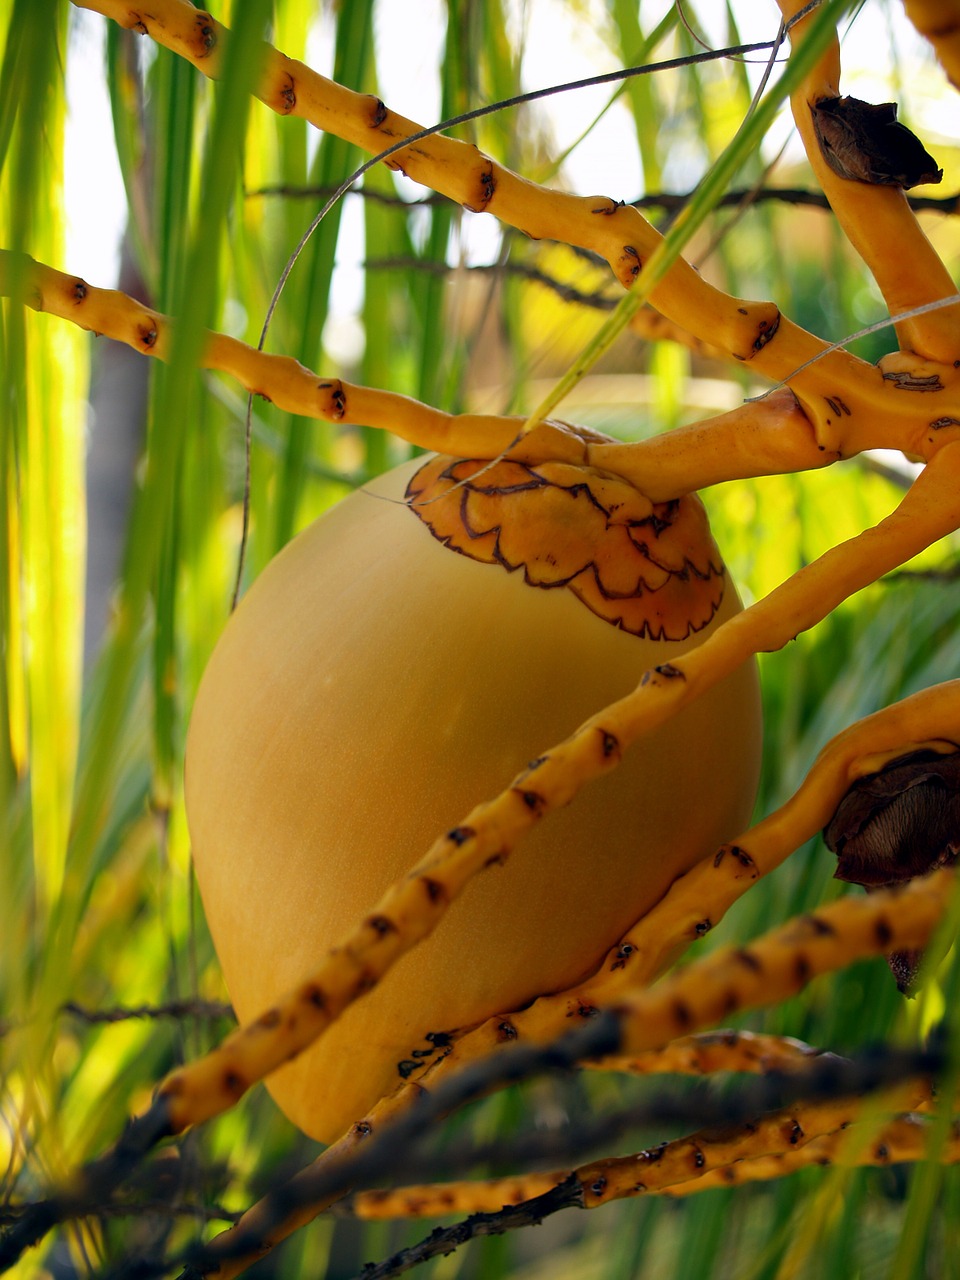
column 865, row 142
column 901, row 822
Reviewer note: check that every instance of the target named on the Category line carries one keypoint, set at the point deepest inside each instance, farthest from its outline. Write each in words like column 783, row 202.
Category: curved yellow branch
column 696, row 902
column 751, row 332
column 782, row 962
column 904, row 1139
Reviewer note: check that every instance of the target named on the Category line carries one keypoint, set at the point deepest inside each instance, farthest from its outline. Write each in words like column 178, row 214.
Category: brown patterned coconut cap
column 652, row 569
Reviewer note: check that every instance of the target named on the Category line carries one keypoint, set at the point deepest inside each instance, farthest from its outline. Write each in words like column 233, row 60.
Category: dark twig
column 444, row 1240
column 829, row 1076
column 569, row 1193
column 13, row 1212
column 597, row 299
column 92, row 1186
column 392, row 1146
column 670, row 201
column 176, row 1009
column 395, row 1146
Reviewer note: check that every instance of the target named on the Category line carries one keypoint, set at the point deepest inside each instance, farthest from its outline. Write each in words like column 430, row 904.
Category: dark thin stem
column 672, row 201
column 566, row 1195
column 13, row 1212
column 395, row 1146
column 92, row 1186
column 176, row 1009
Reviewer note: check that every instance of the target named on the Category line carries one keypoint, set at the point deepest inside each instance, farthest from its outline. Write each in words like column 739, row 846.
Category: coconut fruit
column 399, row 662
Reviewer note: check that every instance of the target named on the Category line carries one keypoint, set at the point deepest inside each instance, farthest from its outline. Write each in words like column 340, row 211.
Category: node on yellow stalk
column 399, row 663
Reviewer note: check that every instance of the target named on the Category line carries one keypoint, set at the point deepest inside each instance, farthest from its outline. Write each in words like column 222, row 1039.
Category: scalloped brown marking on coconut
column 652, row 569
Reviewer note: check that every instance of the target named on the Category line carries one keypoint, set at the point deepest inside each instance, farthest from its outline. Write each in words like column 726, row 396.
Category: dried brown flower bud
column 867, row 143
column 901, row 822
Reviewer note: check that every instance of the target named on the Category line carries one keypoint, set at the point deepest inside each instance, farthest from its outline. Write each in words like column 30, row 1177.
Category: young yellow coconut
column 400, row 662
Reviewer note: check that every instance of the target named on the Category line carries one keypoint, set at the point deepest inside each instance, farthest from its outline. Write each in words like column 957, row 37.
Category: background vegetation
column 98, row 912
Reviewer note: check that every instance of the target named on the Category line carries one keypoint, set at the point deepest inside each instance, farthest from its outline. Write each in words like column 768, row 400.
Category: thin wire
column 876, row 327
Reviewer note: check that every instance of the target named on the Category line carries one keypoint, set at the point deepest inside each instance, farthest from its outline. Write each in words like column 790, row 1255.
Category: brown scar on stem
column 338, row 396
column 914, row 382
column 816, row 925
column 233, row 1082
column 287, row 96
column 533, row 800
column 682, row 1014
column 488, row 187
column 436, row 891
column 460, row 835
column 610, row 208
column 208, row 32
column 80, row 290
column 634, row 262
column 379, row 111
column 381, row 925
column 766, row 332
column 583, row 1010
column 739, row 854
column 315, row 996
column 731, row 1001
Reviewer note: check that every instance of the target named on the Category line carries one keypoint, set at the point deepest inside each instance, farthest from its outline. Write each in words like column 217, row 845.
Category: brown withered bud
column 901, row 822
column 867, row 143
